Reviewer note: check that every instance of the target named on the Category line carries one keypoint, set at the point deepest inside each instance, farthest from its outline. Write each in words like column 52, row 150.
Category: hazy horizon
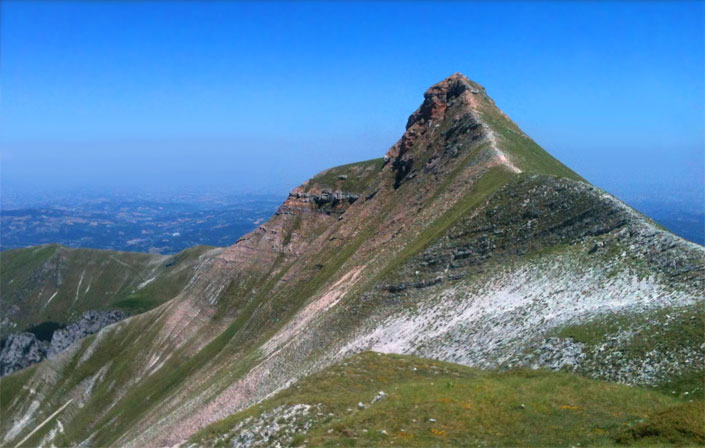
column 257, row 97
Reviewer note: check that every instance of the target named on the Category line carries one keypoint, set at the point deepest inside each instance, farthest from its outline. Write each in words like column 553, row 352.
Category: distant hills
column 137, row 225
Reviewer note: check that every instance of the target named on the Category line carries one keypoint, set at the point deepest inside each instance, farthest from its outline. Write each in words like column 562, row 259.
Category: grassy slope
column 359, row 175
column 471, row 407
column 85, row 279
column 523, row 151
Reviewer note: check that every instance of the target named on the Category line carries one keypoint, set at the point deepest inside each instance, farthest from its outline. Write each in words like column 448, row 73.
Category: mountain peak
column 440, row 95
column 455, row 84
column 456, row 115
column 448, row 119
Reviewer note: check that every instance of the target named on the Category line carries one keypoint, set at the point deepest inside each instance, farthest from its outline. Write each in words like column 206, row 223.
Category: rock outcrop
column 21, row 350
column 327, row 201
column 89, row 323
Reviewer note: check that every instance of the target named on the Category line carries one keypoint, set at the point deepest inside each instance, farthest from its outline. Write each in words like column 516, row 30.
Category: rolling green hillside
column 57, row 284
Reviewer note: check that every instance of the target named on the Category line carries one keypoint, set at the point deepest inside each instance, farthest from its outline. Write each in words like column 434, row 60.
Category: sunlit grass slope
column 433, row 403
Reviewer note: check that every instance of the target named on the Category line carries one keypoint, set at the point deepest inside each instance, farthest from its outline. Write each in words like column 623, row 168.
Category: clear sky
column 258, row 97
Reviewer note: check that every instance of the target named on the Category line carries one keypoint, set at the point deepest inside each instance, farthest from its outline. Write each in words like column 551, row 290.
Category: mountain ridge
column 465, row 219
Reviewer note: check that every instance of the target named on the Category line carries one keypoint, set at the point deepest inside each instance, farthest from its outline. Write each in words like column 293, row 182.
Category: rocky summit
column 465, row 289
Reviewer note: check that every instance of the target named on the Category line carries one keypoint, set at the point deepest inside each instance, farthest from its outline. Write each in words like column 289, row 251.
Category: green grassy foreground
column 432, row 403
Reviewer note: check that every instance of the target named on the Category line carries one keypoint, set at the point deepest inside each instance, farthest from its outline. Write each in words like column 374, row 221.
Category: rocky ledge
column 325, row 201
column 21, row 350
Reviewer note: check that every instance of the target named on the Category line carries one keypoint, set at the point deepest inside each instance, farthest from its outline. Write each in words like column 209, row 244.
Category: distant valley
column 138, row 224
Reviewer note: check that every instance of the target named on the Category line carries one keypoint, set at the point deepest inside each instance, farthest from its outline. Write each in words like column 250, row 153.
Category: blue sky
column 260, row 96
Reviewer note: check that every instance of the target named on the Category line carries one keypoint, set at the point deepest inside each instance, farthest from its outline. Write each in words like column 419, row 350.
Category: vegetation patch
column 392, row 400
column 351, row 178
column 682, row 424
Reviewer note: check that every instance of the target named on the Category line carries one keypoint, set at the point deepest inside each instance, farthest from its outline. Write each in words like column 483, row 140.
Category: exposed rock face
column 24, row 349
column 89, row 323
column 19, row 351
column 437, row 99
column 323, row 201
column 556, row 354
column 446, row 127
